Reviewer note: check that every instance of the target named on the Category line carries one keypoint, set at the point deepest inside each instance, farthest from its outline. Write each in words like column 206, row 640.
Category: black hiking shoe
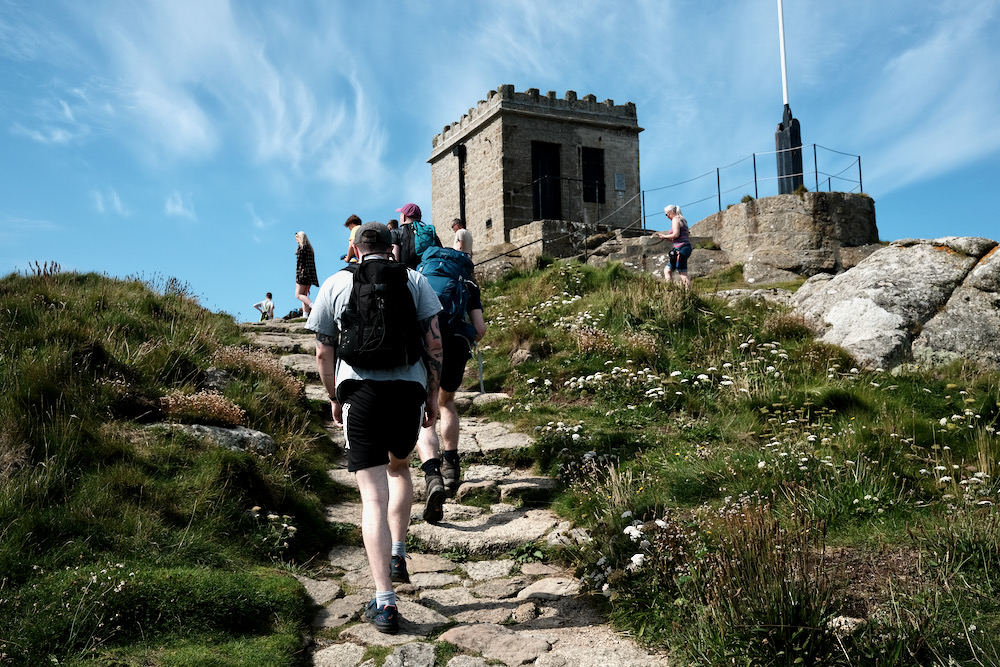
column 451, row 473
column 434, row 510
column 397, row 571
column 384, row 618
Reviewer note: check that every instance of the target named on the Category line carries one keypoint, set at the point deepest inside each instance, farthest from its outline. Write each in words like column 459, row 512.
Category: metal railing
column 838, row 173
column 714, row 190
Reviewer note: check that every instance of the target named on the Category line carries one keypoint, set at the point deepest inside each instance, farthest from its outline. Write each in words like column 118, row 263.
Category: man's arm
column 433, row 358
column 478, row 322
column 326, row 364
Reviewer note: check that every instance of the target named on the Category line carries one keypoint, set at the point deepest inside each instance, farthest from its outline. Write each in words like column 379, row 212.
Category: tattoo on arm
column 326, row 339
column 431, row 325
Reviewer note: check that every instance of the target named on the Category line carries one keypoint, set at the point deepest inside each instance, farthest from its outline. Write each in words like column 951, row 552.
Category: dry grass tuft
column 261, row 362
column 207, row 407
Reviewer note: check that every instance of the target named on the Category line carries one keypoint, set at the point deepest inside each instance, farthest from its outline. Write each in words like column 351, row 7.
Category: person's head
column 392, row 224
column 268, row 295
column 352, row 222
column 409, row 212
column 373, row 237
column 671, row 210
column 302, row 239
column 457, row 224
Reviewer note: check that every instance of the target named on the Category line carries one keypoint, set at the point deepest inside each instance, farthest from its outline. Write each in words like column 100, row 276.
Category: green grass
column 740, row 479
column 135, row 544
column 695, row 439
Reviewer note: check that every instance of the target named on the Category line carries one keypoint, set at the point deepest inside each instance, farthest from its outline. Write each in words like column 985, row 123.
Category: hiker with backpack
column 413, row 237
column 450, row 274
column 378, row 344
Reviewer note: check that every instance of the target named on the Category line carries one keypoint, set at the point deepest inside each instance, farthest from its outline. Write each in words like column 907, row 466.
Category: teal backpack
column 449, row 272
column 418, row 239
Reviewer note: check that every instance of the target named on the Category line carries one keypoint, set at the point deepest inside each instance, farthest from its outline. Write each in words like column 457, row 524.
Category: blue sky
column 193, row 138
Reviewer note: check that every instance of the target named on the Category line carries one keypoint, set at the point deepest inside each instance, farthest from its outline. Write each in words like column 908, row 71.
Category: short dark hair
column 353, row 220
column 459, row 222
column 392, row 224
column 268, row 295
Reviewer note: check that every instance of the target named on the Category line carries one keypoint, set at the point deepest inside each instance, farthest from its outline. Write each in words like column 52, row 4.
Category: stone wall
column 781, row 237
column 497, row 135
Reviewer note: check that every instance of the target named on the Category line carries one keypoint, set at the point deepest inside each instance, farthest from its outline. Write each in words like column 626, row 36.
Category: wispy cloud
column 180, row 206
column 108, row 201
column 43, row 135
column 13, row 228
column 257, row 222
column 935, row 105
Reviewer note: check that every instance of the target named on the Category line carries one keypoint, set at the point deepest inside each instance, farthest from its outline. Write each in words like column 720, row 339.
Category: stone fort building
column 535, row 172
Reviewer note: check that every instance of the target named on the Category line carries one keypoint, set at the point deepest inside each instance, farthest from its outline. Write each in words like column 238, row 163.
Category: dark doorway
column 593, row 174
column 546, row 202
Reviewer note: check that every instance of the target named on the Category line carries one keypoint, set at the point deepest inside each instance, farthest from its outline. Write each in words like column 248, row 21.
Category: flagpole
column 784, row 66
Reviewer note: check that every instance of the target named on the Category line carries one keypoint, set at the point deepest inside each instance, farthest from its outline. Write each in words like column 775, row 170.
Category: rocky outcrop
column 931, row 301
column 782, row 237
column 776, row 239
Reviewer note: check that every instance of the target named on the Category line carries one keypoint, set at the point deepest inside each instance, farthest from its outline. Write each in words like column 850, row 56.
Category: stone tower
column 523, row 167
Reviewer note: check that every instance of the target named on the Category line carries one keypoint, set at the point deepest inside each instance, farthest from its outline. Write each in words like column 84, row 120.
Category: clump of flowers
column 259, row 361
column 592, row 339
column 203, row 407
column 275, row 531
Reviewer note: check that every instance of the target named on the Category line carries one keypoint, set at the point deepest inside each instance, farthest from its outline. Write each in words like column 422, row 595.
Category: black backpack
column 379, row 327
column 417, row 237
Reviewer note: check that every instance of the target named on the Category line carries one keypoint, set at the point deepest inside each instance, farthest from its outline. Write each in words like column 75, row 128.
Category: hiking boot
column 397, row 571
column 384, row 618
column 434, row 510
column 451, row 473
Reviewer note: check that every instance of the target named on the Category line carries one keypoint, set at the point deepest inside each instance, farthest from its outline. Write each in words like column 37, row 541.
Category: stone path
column 465, row 588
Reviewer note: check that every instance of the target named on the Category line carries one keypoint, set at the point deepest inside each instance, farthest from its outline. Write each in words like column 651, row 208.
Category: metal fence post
column 816, row 167
column 718, row 187
column 755, row 195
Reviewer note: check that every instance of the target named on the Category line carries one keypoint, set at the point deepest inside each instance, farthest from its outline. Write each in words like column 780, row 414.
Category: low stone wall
column 782, row 237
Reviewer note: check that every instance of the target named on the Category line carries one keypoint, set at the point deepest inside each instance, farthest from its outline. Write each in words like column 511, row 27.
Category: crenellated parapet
column 584, row 109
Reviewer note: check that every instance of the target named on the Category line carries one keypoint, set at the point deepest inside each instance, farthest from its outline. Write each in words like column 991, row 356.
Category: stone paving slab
column 301, row 364
column 284, row 342
column 487, row 534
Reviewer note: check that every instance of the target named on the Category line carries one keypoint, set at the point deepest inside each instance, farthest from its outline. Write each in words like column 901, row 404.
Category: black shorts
column 456, row 353
column 381, row 417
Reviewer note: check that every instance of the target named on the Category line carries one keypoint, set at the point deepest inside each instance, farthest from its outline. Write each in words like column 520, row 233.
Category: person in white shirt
column 266, row 308
column 463, row 238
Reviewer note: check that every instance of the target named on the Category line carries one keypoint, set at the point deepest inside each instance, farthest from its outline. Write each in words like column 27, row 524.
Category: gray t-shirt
column 329, row 305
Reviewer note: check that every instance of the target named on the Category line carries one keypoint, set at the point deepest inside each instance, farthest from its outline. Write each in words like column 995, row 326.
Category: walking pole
column 474, row 348
column 479, row 354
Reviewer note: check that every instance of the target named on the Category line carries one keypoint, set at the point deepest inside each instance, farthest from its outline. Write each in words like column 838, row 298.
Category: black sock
column 451, row 456
column 431, row 467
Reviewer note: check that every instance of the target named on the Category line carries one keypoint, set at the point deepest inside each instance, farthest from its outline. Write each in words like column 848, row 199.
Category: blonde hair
column 672, row 208
column 303, row 240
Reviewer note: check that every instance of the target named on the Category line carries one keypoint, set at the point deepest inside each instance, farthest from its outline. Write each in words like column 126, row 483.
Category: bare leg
column 449, row 420
column 668, row 275
column 302, row 294
column 428, row 445
column 685, row 280
column 374, row 486
column 400, row 497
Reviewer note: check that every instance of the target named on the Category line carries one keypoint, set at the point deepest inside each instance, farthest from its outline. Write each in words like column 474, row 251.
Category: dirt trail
column 491, row 608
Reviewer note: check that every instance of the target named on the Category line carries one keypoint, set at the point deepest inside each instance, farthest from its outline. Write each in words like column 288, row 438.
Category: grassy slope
column 121, row 539
column 746, row 482
column 742, row 481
